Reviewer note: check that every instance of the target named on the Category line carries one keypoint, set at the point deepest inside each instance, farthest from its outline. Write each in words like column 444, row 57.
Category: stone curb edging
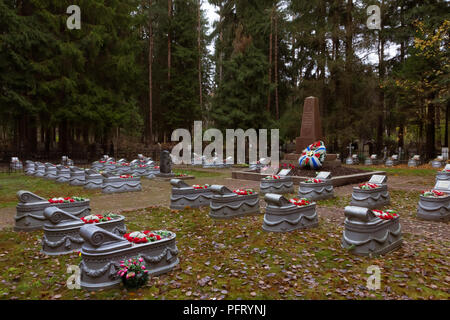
column 336, row 181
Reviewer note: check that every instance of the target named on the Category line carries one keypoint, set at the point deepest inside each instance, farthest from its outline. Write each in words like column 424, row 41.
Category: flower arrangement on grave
column 368, row 186
column 126, row 176
column 197, row 186
column 133, row 273
column 180, row 175
column 272, row 177
column 142, row 166
column 313, row 180
column 244, row 192
column 102, row 161
column 300, row 202
column 156, row 167
column 445, row 170
column 96, row 218
column 146, row 236
column 125, row 164
column 385, row 215
column 112, row 162
column 313, row 156
column 285, row 165
column 433, row 193
column 65, row 199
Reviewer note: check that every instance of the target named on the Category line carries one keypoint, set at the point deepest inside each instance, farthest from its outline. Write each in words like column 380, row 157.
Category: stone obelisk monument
column 311, row 129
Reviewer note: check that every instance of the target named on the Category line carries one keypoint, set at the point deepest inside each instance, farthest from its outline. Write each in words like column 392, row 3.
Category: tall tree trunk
column 277, row 108
column 430, row 131
column 150, row 76
column 221, row 44
column 382, row 128
column 63, row 136
column 446, row 124
column 270, row 60
column 348, row 92
column 199, row 42
column 169, row 40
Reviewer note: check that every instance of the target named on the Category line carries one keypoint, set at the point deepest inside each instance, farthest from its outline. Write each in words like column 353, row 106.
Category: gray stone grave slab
column 39, row 169
column 94, row 180
column 123, row 168
column 282, row 184
column 77, row 176
column 372, row 198
column 114, row 184
column 50, row 171
column 435, row 208
column 151, row 172
column 443, row 175
column 62, row 174
column 62, row 231
column 15, row 164
column 317, row 191
column 102, row 252
column 283, row 216
column 30, row 210
column 225, row 204
column 184, row 195
column 367, row 235
column 110, row 166
column 97, row 165
column 29, row 167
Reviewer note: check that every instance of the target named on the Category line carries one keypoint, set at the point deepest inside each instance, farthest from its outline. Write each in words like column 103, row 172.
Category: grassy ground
column 236, row 259
column 404, row 170
column 11, row 183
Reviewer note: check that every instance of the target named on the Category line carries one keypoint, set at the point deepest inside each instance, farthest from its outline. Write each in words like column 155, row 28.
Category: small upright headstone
column 324, row 175
column 165, row 165
column 378, row 179
column 16, row 164
column 437, row 163
column 445, row 153
column 443, row 185
column 284, row 172
column 165, row 162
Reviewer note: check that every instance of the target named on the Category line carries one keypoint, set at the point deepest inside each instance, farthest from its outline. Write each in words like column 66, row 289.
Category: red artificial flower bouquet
column 300, row 202
column 386, row 215
column 126, row 176
column 272, row 177
column 313, row 180
column 244, row 192
column 96, row 218
column 65, row 199
column 368, row 186
column 197, row 186
column 146, row 236
column 433, row 193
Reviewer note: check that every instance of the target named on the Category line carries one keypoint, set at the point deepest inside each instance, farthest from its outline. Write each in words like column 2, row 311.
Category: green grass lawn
column 241, row 261
column 201, row 173
column 11, row 183
column 421, row 172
